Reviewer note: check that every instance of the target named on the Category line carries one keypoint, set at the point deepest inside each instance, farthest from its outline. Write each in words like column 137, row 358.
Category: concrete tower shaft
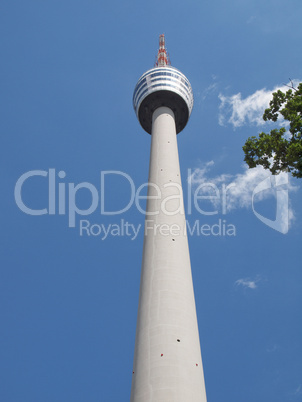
column 167, row 358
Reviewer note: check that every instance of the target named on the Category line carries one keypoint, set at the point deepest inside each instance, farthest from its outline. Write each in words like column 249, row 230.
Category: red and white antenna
column 162, row 59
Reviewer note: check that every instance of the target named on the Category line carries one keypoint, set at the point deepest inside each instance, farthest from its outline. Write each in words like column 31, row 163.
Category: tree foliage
column 279, row 150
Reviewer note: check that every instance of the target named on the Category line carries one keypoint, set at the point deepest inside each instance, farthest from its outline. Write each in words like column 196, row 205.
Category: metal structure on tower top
column 162, row 58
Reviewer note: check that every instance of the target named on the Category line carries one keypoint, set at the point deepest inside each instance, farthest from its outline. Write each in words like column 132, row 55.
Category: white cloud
column 239, row 190
column 239, row 111
column 247, row 283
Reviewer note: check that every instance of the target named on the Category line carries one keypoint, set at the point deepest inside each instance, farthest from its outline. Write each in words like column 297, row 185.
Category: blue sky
column 68, row 303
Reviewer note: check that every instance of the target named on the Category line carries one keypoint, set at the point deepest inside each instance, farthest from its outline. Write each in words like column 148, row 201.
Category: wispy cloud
column 239, row 190
column 273, row 348
column 239, row 187
column 239, row 111
column 209, row 90
column 296, row 393
column 298, row 390
column 247, row 283
column 251, row 19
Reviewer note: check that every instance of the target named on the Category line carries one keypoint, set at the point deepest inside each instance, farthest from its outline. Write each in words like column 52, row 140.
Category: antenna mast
column 162, row 59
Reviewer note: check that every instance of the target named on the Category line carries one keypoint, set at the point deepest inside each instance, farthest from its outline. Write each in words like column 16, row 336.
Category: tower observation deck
column 167, row 359
column 163, row 86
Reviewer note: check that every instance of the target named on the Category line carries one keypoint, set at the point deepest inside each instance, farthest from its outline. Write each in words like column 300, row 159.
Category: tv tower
column 167, row 359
